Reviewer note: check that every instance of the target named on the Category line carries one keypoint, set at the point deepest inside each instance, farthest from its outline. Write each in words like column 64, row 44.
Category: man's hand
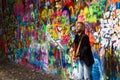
column 75, row 59
column 71, row 49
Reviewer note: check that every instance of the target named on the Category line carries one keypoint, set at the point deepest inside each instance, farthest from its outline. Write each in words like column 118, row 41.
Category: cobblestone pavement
column 13, row 71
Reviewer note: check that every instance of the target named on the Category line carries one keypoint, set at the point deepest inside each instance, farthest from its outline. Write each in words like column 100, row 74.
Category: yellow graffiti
column 44, row 14
column 72, row 11
column 86, row 15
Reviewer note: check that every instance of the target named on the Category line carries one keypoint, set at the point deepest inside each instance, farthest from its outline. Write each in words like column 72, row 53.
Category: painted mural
column 39, row 33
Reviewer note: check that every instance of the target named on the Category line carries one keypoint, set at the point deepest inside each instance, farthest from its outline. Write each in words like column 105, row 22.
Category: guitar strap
column 77, row 51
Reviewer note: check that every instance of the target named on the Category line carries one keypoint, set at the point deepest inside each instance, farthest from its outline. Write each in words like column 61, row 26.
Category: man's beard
column 79, row 31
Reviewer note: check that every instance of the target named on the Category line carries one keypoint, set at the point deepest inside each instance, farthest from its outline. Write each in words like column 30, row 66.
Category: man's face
column 78, row 27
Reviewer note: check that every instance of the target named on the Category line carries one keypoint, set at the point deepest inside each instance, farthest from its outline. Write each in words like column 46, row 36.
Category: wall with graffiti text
column 39, row 33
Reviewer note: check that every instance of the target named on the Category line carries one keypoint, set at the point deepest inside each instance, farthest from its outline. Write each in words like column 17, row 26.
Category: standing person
column 84, row 57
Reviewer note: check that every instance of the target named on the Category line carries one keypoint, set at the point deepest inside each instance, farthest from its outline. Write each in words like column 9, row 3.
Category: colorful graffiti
column 39, row 33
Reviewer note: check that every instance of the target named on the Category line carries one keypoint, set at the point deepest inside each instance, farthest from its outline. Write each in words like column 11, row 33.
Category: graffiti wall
column 39, row 33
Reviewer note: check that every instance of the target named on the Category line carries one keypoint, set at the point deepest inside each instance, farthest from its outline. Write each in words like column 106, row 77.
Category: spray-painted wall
column 39, row 33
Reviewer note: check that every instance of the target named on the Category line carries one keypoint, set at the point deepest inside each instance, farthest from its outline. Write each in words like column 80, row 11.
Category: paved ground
column 12, row 71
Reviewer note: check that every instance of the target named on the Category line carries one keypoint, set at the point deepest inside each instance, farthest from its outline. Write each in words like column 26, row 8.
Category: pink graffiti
column 81, row 18
column 65, row 39
column 19, row 9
